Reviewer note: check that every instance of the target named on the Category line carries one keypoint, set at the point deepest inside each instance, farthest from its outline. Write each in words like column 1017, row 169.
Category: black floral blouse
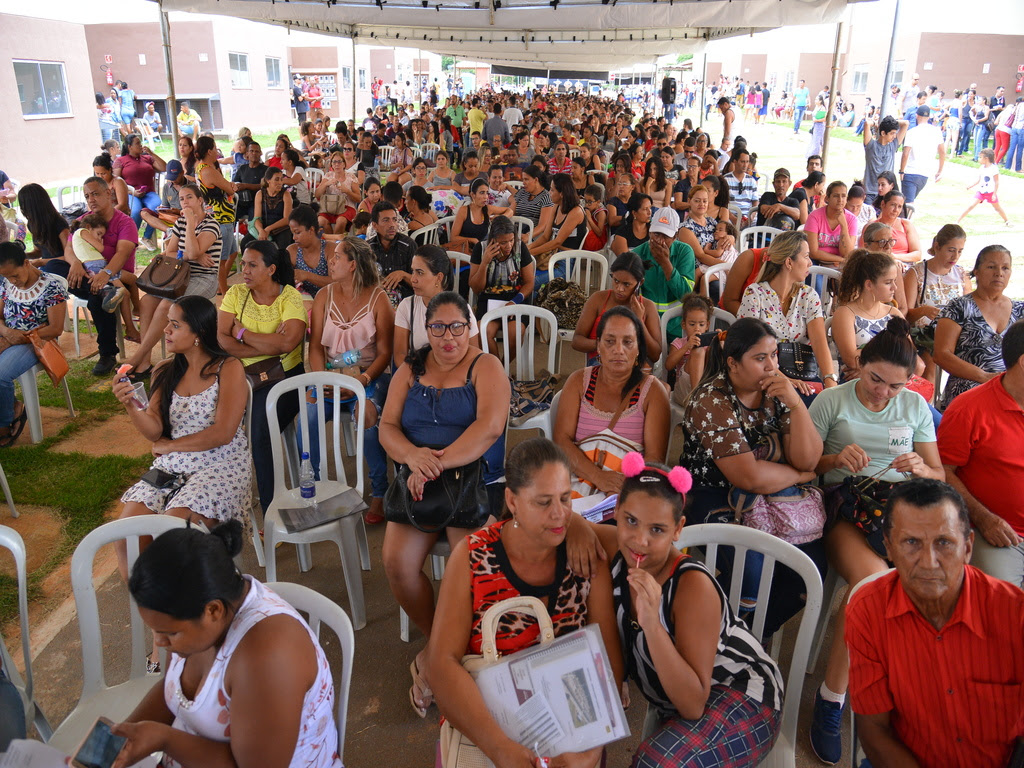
column 717, row 425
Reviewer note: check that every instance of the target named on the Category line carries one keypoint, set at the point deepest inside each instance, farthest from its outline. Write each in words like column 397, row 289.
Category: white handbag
column 457, row 751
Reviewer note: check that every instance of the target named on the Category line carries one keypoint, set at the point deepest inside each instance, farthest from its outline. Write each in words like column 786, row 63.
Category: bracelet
column 238, row 336
column 518, row 298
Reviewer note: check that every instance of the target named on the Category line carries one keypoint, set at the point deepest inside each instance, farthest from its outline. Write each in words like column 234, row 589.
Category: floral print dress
column 761, row 301
column 979, row 343
column 219, row 479
column 208, row 714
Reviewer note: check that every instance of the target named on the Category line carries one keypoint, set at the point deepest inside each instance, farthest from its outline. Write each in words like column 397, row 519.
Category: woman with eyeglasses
column 446, row 408
column 907, row 248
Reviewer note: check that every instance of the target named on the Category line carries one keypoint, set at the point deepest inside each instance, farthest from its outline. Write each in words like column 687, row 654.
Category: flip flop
column 424, row 690
column 16, row 428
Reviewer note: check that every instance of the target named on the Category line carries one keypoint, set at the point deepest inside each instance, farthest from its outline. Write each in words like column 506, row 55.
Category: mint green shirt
column 664, row 293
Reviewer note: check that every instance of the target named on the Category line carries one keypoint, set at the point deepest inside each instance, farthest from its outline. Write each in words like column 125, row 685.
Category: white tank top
column 209, row 714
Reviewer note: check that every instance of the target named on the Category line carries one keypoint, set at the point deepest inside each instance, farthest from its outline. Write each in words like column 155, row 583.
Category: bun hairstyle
column 527, row 459
column 985, row 252
column 945, row 235
column 863, row 266
column 671, row 485
column 184, row 570
column 892, row 345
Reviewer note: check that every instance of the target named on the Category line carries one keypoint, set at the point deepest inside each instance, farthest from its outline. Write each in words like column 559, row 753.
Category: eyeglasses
column 437, row 329
column 890, row 242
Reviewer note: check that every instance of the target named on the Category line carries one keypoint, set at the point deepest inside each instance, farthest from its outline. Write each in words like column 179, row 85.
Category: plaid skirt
column 735, row 732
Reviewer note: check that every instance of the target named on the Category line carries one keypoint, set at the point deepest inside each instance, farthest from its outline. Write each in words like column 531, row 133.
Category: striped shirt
column 531, row 208
column 208, row 224
column 742, row 192
column 740, row 661
column 955, row 694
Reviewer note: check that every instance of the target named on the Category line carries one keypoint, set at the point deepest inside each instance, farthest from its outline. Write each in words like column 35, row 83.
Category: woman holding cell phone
column 202, row 469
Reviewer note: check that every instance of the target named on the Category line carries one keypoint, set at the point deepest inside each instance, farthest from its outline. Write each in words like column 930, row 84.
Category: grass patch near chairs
column 78, row 489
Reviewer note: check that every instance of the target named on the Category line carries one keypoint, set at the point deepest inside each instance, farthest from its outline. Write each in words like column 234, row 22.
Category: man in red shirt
column 980, row 439
column 936, row 647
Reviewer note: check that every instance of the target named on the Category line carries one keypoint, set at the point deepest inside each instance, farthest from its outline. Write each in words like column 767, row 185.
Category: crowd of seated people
column 791, row 386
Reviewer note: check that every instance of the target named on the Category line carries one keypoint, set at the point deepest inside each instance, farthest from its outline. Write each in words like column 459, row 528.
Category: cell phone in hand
column 100, row 748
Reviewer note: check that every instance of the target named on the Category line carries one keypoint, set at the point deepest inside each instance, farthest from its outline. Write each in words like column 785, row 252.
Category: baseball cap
column 665, row 222
column 174, row 170
column 924, row 111
column 782, row 172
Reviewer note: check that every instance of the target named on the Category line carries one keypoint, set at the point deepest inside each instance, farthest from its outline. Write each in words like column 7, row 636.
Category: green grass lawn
column 78, row 488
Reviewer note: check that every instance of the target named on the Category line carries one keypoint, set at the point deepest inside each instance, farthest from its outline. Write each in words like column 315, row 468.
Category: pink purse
column 794, row 519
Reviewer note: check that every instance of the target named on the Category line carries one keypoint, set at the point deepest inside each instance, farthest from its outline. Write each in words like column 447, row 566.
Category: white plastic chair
column 722, row 316
column 827, row 273
column 775, row 550
column 517, row 185
column 78, row 306
column 10, row 539
column 313, row 178
column 513, row 320
column 722, row 270
column 459, row 260
column 247, row 421
column 267, row 154
column 323, row 610
column 756, row 237
column 430, row 234
column 855, row 753
column 589, row 270
column 428, row 151
column 523, row 224
column 98, row 698
column 30, row 394
column 7, row 492
column 737, row 214
column 348, row 533
column 385, row 156
column 74, row 195
column 574, row 152
column 438, row 553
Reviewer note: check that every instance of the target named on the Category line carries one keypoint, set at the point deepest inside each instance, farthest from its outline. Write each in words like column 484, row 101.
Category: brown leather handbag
column 50, row 357
column 166, row 277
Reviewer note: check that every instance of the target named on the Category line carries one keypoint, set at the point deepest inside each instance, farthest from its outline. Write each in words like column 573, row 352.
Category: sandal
column 136, row 376
column 15, row 429
column 426, row 695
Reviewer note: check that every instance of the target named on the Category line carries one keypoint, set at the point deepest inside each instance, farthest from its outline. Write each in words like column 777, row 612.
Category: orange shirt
column 955, row 695
column 980, row 434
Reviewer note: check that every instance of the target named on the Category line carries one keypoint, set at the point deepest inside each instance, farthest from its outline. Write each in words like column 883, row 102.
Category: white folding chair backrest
column 737, row 214
column 130, row 529
column 756, row 237
column 267, row 154
column 589, row 270
column 676, row 310
column 11, row 540
column 514, row 184
column 723, row 316
column 523, row 224
column 828, row 273
column 323, row 610
column 460, row 260
column 323, row 383
column 68, row 195
column 428, row 151
column 775, row 550
column 430, row 234
column 313, row 178
column 722, row 270
column 523, row 341
column 574, row 152
column 385, row 156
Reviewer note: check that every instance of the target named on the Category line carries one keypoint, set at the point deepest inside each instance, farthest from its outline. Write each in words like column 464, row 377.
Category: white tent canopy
column 580, row 35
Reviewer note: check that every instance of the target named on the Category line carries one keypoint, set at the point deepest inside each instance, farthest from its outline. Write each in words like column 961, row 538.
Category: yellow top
column 267, row 318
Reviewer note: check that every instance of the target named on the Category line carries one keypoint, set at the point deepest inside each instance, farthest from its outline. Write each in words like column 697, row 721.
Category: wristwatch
column 108, row 271
column 832, row 376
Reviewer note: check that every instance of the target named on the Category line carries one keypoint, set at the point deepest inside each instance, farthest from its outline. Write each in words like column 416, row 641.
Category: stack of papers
column 557, row 698
column 596, row 508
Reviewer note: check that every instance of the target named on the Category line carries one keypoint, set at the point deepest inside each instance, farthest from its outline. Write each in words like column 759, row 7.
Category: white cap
column 665, row 221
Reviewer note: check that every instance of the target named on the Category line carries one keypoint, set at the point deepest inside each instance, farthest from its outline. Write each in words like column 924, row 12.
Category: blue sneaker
column 826, row 739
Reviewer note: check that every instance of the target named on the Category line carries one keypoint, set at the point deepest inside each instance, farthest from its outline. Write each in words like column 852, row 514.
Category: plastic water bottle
column 307, row 485
column 346, row 362
column 181, row 254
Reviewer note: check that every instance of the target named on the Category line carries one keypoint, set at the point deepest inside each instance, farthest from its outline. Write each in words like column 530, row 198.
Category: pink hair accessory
column 633, row 464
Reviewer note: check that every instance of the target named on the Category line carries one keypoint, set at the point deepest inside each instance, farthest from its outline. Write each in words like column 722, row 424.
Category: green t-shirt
column 664, row 293
column 456, row 115
column 841, row 419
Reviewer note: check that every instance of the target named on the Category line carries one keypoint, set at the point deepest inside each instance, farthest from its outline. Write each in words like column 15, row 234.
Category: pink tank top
column 591, row 420
column 341, row 335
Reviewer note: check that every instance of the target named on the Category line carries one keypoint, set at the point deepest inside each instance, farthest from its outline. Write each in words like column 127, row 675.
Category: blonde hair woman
column 780, row 298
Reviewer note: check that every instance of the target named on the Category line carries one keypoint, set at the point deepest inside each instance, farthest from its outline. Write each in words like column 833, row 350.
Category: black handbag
column 797, row 361
column 861, row 501
column 458, row 497
column 262, row 373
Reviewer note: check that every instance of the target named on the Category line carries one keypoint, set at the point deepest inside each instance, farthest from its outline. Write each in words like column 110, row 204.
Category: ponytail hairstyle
column 782, row 247
column 891, row 345
column 947, row 233
column 670, row 485
column 184, row 570
column 986, row 251
column 438, row 263
column 733, row 344
column 637, row 374
column 416, row 359
column 861, row 267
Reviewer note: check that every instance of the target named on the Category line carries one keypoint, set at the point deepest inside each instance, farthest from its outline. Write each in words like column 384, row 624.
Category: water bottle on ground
column 307, row 485
column 347, row 363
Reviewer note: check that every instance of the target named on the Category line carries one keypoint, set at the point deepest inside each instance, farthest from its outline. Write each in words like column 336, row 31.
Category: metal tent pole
column 831, row 96
column 888, row 65
column 172, row 107
column 354, row 79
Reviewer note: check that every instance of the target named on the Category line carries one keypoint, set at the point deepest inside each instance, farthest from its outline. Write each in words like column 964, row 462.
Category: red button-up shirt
column 955, row 695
